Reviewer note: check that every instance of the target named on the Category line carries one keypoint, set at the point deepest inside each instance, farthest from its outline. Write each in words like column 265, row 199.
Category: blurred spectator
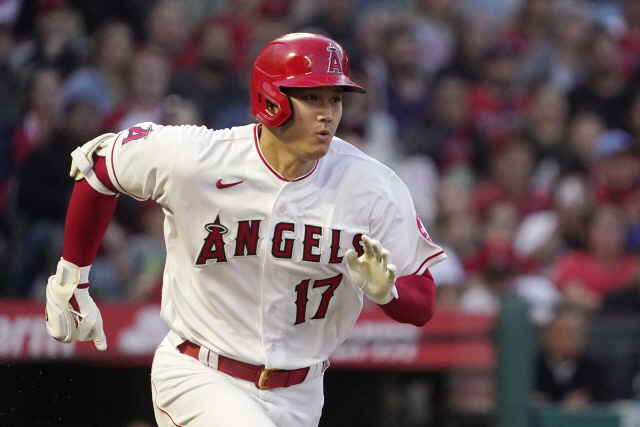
column 630, row 38
column 130, row 267
column 474, row 35
column 406, row 92
column 457, row 226
column 40, row 118
column 583, row 132
column 10, row 84
column 511, row 164
column 606, row 91
column 443, row 135
column 57, row 42
column 43, row 192
column 435, row 34
column 497, row 105
column 632, row 121
column 533, row 25
column 573, row 205
column 147, row 89
column 371, row 30
column 540, row 294
column 273, row 19
column 585, row 277
column 449, row 277
column 543, row 236
column 167, row 32
column 146, row 255
column 497, row 269
column 211, row 83
column 618, row 173
column 545, row 130
column 335, row 19
column 561, row 58
column 181, row 111
column 566, row 373
column 537, row 241
column 105, row 81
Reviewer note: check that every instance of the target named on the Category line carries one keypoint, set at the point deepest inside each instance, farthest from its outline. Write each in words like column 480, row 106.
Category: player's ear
column 272, row 107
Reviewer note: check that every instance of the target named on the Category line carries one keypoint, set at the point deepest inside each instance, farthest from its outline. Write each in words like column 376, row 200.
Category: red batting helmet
column 296, row 60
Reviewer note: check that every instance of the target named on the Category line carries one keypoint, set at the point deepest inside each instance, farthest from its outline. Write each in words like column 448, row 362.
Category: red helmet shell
column 296, row 60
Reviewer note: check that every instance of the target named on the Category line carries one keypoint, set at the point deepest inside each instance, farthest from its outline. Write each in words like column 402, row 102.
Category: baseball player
column 274, row 232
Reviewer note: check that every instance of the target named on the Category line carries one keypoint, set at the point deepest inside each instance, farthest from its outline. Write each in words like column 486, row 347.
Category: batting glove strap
column 61, row 323
column 373, row 273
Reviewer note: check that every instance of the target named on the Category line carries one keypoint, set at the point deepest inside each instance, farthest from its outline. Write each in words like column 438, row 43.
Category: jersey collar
column 256, row 136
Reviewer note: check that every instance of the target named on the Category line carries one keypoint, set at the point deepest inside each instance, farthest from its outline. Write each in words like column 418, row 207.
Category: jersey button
column 282, row 209
column 273, row 347
column 274, row 272
column 273, row 309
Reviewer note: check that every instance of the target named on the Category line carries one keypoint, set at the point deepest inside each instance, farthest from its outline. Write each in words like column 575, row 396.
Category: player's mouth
column 324, row 135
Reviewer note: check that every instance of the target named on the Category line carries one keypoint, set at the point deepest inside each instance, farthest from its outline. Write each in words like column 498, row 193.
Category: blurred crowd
column 514, row 123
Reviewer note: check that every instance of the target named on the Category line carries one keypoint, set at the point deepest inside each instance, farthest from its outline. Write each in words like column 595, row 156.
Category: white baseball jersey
column 255, row 268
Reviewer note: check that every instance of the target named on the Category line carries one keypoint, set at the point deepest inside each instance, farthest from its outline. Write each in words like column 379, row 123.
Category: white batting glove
column 64, row 323
column 373, row 272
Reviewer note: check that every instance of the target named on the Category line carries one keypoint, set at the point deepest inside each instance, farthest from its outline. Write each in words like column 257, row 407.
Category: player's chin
column 320, row 148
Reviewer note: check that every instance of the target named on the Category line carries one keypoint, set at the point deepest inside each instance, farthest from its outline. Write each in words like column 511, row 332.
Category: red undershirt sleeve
column 416, row 300
column 88, row 217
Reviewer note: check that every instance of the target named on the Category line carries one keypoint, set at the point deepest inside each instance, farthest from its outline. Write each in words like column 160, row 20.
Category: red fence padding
column 451, row 340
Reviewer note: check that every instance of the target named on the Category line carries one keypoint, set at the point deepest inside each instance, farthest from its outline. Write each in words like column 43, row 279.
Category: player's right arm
column 71, row 314
column 136, row 162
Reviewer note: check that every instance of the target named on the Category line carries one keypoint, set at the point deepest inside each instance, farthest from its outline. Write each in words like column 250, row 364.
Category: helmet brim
column 319, row 80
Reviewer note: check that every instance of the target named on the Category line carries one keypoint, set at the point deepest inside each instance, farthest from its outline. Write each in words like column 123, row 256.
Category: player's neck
column 280, row 158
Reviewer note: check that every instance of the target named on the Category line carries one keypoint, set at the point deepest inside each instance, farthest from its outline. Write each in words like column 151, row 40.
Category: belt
column 263, row 378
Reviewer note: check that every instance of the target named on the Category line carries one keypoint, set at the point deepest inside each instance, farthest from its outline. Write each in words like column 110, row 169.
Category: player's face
column 316, row 114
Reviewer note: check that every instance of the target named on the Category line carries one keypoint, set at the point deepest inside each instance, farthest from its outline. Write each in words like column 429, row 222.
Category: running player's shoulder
column 206, row 136
column 347, row 157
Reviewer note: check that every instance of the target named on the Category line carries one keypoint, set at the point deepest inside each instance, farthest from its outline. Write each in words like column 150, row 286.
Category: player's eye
column 311, row 97
column 337, row 100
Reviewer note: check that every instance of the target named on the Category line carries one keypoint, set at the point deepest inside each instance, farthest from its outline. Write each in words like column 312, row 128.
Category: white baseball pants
column 188, row 393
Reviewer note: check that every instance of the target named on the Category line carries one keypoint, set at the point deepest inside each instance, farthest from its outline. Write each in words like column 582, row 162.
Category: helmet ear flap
column 272, row 110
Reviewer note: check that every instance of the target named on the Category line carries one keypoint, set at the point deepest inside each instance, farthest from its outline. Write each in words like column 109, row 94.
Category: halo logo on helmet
column 295, row 60
column 334, row 62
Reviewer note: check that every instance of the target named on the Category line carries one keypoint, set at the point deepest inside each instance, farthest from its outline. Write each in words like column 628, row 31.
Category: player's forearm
column 88, row 217
column 416, row 300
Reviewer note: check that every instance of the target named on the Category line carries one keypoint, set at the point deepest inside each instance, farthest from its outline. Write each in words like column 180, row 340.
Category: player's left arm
column 406, row 299
column 416, row 301
column 404, row 289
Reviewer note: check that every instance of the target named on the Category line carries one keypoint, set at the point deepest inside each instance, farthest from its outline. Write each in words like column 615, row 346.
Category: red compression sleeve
column 88, row 217
column 416, row 300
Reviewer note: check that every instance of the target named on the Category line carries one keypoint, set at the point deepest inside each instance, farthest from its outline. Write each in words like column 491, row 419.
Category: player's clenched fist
column 373, row 272
column 65, row 323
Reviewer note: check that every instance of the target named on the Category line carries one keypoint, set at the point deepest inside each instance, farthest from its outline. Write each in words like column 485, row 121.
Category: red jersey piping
column 255, row 137
column 425, row 261
column 113, row 168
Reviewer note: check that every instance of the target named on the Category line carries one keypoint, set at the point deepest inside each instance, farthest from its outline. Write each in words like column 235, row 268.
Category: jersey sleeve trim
column 431, row 261
column 112, row 171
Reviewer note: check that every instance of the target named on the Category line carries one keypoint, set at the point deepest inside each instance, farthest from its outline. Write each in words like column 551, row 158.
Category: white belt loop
column 316, row 370
column 208, row 357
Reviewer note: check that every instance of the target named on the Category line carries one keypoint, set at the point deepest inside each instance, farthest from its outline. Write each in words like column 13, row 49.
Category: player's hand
column 373, row 272
column 65, row 323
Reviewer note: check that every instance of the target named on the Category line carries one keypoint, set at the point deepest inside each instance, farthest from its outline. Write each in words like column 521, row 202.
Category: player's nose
column 325, row 113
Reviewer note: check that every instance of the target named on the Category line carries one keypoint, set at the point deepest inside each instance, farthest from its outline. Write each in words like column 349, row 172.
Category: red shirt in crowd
column 581, row 267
